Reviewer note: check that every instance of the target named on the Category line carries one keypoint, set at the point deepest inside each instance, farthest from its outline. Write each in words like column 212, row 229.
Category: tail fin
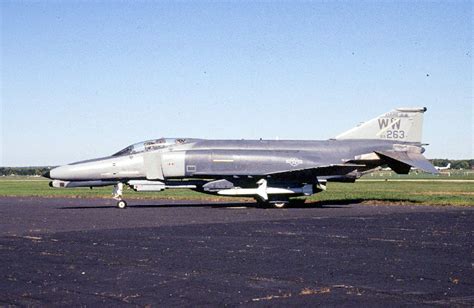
column 403, row 124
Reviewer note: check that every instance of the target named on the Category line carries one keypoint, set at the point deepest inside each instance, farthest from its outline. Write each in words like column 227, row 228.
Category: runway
column 61, row 252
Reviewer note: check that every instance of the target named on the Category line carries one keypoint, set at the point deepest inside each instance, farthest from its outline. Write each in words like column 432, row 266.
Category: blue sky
column 84, row 79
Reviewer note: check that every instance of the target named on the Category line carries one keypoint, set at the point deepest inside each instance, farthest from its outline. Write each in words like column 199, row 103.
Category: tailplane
column 401, row 162
column 402, row 124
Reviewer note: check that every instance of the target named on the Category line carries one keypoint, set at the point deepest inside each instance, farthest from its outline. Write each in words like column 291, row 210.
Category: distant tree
column 461, row 164
column 25, row 171
column 440, row 162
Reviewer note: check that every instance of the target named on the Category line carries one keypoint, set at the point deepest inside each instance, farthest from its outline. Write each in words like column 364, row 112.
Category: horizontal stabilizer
column 401, row 162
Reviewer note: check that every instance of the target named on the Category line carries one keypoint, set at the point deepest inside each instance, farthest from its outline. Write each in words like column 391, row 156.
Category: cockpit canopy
column 150, row 145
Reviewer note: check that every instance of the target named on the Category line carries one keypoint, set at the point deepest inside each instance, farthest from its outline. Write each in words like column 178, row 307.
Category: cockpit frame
column 150, row 145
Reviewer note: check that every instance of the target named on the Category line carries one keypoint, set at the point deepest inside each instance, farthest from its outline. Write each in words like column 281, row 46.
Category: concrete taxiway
column 61, row 252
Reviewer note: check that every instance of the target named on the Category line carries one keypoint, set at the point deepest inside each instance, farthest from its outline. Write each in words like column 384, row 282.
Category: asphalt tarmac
column 83, row 252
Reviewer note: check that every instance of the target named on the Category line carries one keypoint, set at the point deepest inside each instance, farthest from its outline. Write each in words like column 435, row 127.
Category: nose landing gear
column 121, row 204
column 117, row 195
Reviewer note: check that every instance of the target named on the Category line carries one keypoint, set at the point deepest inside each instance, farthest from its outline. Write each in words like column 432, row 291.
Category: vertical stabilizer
column 403, row 124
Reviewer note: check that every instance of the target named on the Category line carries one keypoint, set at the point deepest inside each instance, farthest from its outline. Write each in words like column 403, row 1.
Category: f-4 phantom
column 271, row 171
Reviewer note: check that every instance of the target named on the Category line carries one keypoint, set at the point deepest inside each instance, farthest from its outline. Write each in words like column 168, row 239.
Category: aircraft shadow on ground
column 249, row 205
column 132, row 204
column 342, row 203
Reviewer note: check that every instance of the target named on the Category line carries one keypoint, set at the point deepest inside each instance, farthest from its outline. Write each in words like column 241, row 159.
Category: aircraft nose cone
column 47, row 174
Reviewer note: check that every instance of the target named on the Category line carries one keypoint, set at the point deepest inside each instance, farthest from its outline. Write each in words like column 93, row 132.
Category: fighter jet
column 270, row 171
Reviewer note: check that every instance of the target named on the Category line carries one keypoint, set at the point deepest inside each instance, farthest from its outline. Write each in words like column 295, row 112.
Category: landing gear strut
column 117, row 195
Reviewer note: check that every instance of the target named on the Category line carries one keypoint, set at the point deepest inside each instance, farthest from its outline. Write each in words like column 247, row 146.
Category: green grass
column 433, row 192
column 40, row 188
column 395, row 192
column 443, row 175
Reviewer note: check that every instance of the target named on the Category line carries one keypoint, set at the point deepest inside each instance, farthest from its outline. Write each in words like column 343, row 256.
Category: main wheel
column 280, row 204
column 121, row 204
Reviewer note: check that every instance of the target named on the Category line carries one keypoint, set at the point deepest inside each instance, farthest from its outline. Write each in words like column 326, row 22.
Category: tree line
column 455, row 164
column 5, row 171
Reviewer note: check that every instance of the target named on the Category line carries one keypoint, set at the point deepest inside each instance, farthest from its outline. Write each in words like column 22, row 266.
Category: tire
column 279, row 204
column 121, row 204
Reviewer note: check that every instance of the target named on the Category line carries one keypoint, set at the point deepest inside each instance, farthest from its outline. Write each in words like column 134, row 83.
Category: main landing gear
column 277, row 203
column 280, row 204
column 117, row 195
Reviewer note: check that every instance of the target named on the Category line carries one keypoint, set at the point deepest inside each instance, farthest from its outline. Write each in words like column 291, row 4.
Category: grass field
column 377, row 189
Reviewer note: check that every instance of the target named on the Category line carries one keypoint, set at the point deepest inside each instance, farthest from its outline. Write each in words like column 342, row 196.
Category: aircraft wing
column 310, row 174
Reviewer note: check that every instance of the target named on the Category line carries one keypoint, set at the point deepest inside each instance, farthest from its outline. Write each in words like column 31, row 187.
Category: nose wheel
column 121, row 204
column 117, row 195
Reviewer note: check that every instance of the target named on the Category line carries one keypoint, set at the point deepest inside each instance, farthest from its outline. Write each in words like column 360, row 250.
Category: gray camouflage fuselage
column 264, row 169
column 224, row 159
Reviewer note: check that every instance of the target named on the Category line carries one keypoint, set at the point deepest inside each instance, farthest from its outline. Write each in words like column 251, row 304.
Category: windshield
column 149, row 145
